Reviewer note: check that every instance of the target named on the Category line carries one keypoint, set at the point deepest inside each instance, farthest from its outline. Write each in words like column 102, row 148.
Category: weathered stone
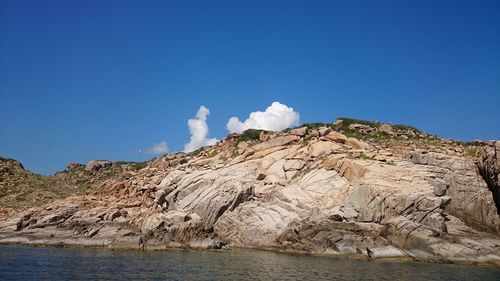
column 242, row 146
column 365, row 129
column 336, row 137
column 302, row 131
column 331, row 162
column 323, row 131
column 321, row 148
column 386, row 128
column 326, row 195
column 96, row 165
column 440, row 188
column 278, row 141
column 356, row 144
column 294, row 165
column 261, row 176
column 264, row 136
column 74, row 166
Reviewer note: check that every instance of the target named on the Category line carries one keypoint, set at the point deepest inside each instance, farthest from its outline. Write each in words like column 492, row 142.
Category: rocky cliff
column 347, row 188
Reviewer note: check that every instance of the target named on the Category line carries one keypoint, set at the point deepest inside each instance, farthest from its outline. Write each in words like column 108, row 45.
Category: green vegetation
column 139, row 165
column 197, row 152
column 346, row 122
column 400, row 127
column 371, row 132
column 464, row 143
column 472, row 151
column 250, row 135
column 21, row 189
column 380, row 136
column 315, row 125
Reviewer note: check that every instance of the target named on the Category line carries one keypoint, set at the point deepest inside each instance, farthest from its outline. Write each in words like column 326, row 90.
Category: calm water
column 27, row 263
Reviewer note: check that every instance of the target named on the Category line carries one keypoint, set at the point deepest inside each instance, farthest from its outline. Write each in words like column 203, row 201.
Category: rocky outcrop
column 460, row 179
column 96, row 165
column 489, row 168
column 309, row 190
column 74, row 166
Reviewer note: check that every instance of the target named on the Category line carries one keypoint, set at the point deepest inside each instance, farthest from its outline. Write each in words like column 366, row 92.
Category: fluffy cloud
column 276, row 118
column 199, row 131
column 158, row 148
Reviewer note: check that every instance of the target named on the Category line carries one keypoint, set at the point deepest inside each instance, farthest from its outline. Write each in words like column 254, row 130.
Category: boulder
column 242, row 146
column 264, row 136
column 356, row 144
column 294, row 165
column 302, row 131
column 386, row 128
column 314, row 133
column 321, row 148
column 74, row 166
column 96, row 165
column 323, row 131
column 365, row 129
column 331, row 162
column 278, row 141
column 336, row 137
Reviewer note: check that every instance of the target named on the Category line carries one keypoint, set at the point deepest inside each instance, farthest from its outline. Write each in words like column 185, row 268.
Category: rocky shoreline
column 76, row 244
column 352, row 189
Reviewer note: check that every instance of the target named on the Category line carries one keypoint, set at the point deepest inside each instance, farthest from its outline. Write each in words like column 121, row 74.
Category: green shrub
column 139, row 165
column 250, row 135
column 472, row 151
column 315, row 125
column 346, row 122
column 197, row 152
column 404, row 127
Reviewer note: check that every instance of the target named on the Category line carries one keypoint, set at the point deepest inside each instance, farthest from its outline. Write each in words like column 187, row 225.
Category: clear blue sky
column 82, row 80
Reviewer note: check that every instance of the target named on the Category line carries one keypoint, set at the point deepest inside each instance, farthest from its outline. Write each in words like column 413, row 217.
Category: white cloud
column 276, row 118
column 199, row 131
column 158, row 148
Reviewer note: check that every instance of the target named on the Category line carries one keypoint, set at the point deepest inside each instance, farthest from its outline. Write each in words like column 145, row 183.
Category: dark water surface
column 29, row 263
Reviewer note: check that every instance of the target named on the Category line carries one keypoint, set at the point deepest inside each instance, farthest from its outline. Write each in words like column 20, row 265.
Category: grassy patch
column 212, row 153
column 197, row 152
column 346, row 122
column 315, row 125
column 472, row 151
column 139, row 165
column 250, row 135
column 400, row 127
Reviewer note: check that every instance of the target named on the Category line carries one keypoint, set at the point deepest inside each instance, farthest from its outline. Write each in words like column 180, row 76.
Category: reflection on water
column 18, row 263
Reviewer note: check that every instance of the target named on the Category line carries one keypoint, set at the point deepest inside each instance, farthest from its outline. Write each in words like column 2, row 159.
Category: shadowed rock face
column 489, row 168
column 311, row 190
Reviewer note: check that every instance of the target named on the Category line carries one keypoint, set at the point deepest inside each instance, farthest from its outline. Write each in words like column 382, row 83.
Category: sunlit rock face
column 342, row 189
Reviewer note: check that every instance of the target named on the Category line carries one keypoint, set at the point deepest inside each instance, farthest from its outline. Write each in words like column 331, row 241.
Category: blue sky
column 82, row 80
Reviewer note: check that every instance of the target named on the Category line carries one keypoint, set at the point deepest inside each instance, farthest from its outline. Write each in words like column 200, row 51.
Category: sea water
column 33, row 263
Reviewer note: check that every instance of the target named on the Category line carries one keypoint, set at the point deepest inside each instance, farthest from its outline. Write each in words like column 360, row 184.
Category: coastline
column 75, row 243
column 307, row 191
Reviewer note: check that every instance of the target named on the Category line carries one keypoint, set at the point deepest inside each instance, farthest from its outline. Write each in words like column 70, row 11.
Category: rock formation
column 347, row 188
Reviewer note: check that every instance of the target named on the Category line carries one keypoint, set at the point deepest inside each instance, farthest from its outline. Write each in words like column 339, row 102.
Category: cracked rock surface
column 308, row 190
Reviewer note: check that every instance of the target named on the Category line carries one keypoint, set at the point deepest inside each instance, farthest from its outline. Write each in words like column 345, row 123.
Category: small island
column 347, row 188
